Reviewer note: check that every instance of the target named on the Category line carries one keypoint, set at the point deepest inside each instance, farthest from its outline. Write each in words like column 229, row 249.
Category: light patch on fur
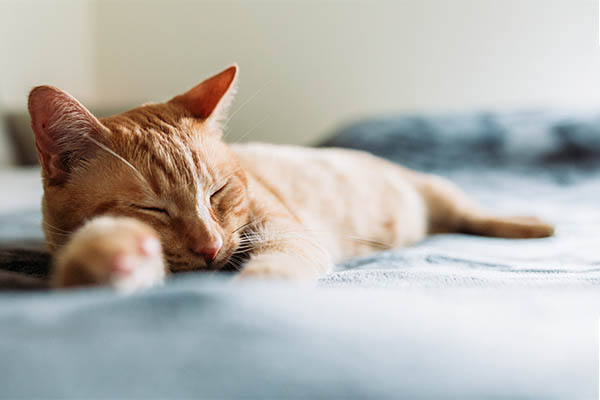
column 202, row 211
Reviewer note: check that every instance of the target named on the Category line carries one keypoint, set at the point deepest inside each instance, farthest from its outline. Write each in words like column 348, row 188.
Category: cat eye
column 157, row 210
column 217, row 192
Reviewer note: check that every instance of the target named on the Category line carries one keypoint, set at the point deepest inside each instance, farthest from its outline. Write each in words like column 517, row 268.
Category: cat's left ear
column 210, row 99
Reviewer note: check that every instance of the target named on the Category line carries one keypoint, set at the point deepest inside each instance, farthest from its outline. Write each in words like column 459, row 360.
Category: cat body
column 363, row 203
column 163, row 172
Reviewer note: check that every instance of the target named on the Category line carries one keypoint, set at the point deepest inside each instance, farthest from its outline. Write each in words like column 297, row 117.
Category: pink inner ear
column 49, row 159
column 40, row 109
column 203, row 99
column 58, row 122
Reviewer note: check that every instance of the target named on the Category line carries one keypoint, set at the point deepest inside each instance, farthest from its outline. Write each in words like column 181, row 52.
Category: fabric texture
column 455, row 316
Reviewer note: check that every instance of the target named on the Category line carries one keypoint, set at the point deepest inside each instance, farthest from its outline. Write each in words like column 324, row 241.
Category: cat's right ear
column 61, row 126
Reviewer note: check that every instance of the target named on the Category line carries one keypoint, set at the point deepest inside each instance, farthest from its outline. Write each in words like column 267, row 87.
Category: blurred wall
column 45, row 42
column 307, row 65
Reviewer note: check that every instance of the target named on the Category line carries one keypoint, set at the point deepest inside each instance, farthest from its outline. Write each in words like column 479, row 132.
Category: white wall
column 316, row 63
column 45, row 42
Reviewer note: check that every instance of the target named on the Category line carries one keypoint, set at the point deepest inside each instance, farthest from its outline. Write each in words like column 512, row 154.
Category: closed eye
column 218, row 192
column 157, row 210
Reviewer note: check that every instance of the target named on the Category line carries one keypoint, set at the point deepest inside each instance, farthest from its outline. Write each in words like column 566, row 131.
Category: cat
column 132, row 197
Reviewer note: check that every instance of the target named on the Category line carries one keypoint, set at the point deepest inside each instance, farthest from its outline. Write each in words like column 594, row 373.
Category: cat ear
column 211, row 98
column 61, row 126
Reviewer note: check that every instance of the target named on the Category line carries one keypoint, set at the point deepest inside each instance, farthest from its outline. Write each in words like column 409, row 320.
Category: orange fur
column 269, row 210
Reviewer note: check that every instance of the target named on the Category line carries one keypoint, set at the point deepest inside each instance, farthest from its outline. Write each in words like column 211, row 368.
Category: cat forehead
column 157, row 118
column 167, row 152
column 172, row 165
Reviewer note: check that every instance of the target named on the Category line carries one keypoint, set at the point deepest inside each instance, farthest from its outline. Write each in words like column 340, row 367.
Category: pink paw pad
column 122, row 264
column 125, row 263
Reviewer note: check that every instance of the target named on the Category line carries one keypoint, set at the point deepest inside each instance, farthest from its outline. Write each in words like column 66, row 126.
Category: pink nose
column 208, row 250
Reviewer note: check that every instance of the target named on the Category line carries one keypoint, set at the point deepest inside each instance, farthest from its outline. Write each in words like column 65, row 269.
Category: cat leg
column 122, row 253
column 284, row 250
column 451, row 210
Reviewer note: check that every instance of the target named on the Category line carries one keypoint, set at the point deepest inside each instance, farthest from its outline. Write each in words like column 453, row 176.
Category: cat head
column 165, row 164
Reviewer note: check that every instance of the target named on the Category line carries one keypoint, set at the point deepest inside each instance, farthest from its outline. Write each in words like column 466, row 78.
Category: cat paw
column 282, row 267
column 122, row 253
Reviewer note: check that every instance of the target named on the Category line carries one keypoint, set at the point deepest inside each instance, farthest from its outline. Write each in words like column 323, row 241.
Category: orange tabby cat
column 115, row 187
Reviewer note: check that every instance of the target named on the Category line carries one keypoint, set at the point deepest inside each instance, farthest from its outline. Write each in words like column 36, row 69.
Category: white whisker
column 108, row 150
column 244, row 104
column 248, row 132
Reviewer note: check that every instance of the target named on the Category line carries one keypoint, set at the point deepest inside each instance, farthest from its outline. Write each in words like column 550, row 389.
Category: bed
column 456, row 316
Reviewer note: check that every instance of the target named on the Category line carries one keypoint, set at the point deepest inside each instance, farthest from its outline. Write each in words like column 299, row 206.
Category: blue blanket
column 456, row 316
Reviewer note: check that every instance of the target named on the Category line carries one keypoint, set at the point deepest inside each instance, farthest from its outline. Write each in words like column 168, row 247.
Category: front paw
column 119, row 252
column 281, row 266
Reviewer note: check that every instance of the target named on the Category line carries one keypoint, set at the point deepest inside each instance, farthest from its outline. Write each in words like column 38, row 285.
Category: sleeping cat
column 155, row 189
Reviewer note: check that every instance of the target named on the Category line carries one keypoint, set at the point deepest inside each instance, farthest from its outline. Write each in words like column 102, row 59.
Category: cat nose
column 208, row 249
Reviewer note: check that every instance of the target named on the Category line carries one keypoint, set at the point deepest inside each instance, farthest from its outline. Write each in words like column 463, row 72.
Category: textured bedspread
column 455, row 316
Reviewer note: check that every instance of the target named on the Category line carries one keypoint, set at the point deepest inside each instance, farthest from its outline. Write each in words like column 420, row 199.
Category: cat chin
column 178, row 266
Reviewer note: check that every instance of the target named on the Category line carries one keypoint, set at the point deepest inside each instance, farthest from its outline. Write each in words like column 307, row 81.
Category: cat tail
column 515, row 227
column 451, row 210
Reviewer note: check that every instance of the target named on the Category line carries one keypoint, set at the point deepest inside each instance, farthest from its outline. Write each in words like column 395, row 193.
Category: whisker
column 120, row 158
column 56, row 228
column 108, row 150
column 244, row 104
column 58, row 232
column 54, row 244
column 270, row 236
column 66, row 235
column 235, row 261
column 248, row 132
column 254, row 221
